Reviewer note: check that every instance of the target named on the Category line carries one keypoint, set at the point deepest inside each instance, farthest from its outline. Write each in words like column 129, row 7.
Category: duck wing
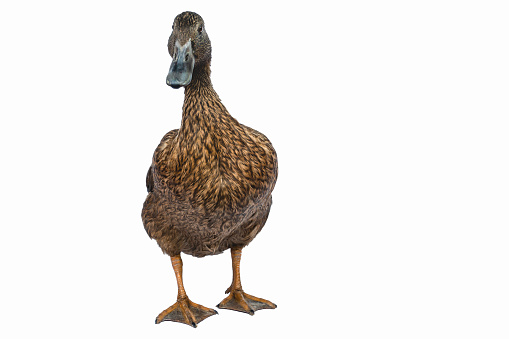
column 266, row 151
column 163, row 149
column 150, row 180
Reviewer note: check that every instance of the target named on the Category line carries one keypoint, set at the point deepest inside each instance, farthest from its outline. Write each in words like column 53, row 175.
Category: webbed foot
column 240, row 301
column 186, row 312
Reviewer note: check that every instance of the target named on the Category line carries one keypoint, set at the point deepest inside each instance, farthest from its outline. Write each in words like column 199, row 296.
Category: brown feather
column 210, row 181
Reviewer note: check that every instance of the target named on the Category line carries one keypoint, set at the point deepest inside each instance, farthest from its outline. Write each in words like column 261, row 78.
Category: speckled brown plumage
column 210, row 181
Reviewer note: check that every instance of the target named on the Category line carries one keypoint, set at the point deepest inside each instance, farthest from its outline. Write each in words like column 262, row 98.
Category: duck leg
column 238, row 300
column 184, row 310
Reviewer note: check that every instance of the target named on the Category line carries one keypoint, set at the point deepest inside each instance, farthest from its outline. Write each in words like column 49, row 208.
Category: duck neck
column 200, row 83
column 202, row 106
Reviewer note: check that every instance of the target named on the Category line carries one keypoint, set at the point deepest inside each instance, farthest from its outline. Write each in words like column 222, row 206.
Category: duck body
column 210, row 182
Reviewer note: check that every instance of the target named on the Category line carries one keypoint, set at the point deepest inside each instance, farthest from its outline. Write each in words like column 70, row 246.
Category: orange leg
column 184, row 310
column 238, row 300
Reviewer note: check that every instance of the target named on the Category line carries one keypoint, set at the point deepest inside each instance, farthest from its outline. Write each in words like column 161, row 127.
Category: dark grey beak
column 181, row 68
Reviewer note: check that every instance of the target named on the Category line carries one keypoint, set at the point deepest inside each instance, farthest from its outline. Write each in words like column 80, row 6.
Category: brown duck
column 210, row 182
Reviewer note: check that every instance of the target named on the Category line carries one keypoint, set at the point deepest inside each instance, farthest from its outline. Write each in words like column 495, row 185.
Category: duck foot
column 240, row 301
column 186, row 312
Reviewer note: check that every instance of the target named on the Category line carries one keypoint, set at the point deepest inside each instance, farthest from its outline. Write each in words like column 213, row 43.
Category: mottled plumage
column 210, row 182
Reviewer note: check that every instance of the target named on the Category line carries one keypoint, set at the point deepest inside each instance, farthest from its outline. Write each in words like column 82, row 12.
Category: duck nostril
column 187, row 57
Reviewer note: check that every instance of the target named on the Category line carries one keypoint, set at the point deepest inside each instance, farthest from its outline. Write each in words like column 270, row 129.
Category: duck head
column 189, row 46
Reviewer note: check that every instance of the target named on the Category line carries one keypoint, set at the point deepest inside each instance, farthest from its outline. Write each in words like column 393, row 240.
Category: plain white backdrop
column 390, row 216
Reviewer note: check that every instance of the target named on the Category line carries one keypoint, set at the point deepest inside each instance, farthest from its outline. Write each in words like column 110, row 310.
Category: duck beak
column 181, row 68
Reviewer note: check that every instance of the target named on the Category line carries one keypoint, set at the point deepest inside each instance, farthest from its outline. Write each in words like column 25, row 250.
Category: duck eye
column 200, row 29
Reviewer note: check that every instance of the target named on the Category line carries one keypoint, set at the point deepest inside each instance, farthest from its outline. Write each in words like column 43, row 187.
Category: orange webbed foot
column 240, row 301
column 185, row 311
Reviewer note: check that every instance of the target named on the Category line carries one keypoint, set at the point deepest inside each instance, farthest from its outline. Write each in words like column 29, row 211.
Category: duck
column 210, row 182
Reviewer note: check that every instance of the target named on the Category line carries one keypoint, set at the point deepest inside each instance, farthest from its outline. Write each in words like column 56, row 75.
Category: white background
column 390, row 216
